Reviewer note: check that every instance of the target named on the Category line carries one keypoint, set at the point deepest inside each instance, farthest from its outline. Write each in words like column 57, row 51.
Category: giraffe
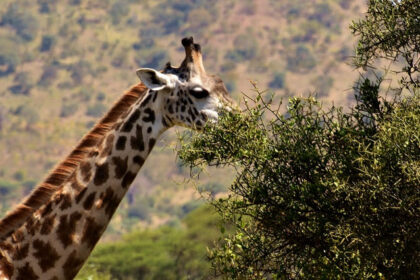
column 51, row 234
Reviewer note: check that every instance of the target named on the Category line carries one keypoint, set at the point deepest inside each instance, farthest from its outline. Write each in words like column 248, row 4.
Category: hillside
column 64, row 62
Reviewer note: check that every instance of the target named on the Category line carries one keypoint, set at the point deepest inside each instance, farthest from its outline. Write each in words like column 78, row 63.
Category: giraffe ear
column 153, row 79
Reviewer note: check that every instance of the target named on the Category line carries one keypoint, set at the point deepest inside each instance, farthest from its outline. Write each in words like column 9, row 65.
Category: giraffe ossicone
column 52, row 232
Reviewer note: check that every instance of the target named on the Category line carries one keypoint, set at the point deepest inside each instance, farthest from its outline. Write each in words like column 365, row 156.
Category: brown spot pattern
column 45, row 253
column 21, row 252
column 139, row 160
column 6, row 267
column 101, row 174
column 72, row 266
column 111, row 202
column 152, row 143
column 17, row 236
column 67, row 227
column 92, row 232
column 86, row 170
column 128, row 179
column 80, row 195
column 65, row 201
column 107, row 150
column 120, row 145
column 137, row 142
column 48, row 224
column 75, row 184
column 89, row 201
column 32, row 226
column 46, row 210
column 26, row 272
column 120, row 166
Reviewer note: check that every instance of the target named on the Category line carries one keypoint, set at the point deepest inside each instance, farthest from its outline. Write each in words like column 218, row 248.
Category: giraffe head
column 189, row 96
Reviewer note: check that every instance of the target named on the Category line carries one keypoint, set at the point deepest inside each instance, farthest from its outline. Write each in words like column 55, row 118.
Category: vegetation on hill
column 64, row 62
column 169, row 252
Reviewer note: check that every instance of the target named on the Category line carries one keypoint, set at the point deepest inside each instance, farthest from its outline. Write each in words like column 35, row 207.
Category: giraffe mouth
column 211, row 116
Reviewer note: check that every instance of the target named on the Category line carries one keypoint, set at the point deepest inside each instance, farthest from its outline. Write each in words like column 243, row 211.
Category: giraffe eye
column 199, row 92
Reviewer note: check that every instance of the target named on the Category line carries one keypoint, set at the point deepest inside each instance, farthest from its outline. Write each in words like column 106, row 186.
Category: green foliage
column 47, row 43
column 153, row 58
column 390, row 30
column 49, row 74
column 27, row 113
column 278, row 80
column 6, row 187
column 199, row 19
column 319, row 194
column 119, row 10
column 212, row 188
column 23, row 84
column 163, row 253
column 25, row 24
column 323, row 85
column 96, row 110
column 69, row 109
column 9, row 55
column 301, row 59
column 246, row 48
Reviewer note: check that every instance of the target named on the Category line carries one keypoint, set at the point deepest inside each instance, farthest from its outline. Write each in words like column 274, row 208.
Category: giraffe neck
column 57, row 239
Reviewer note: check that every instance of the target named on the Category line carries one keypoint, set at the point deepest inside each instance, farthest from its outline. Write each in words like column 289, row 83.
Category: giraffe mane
column 58, row 176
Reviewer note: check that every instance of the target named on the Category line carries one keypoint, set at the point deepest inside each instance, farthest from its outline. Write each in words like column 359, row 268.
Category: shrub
column 28, row 113
column 68, row 110
column 6, row 187
column 9, row 56
column 25, row 24
column 329, row 194
column 199, row 19
column 301, row 60
column 47, row 43
column 323, row 85
column 119, row 10
column 23, row 84
column 153, row 58
column 96, row 110
column 245, row 48
column 49, row 74
column 278, row 81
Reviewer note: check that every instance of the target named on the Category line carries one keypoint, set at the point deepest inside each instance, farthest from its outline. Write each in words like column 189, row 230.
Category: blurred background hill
column 64, row 62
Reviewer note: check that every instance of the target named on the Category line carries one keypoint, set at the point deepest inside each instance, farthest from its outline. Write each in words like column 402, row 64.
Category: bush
column 68, row 110
column 96, row 110
column 390, row 30
column 25, row 24
column 301, row 60
column 212, row 188
column 278, row 81
column 245, row 48
column 326, row 193
column 49, row 74
column 119, row 10
column 199, row 19
column 6, row 187
column 47, row 43
column 153, row 58
column 323, row 85
column 9, row 56
column 28, row 113
column 23, row 84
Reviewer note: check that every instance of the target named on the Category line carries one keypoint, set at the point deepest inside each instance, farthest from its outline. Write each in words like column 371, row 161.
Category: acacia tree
column 324, row 194
column 391, row 31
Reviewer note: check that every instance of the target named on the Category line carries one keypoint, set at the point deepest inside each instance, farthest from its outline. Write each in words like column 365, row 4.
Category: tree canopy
column 325, row 193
